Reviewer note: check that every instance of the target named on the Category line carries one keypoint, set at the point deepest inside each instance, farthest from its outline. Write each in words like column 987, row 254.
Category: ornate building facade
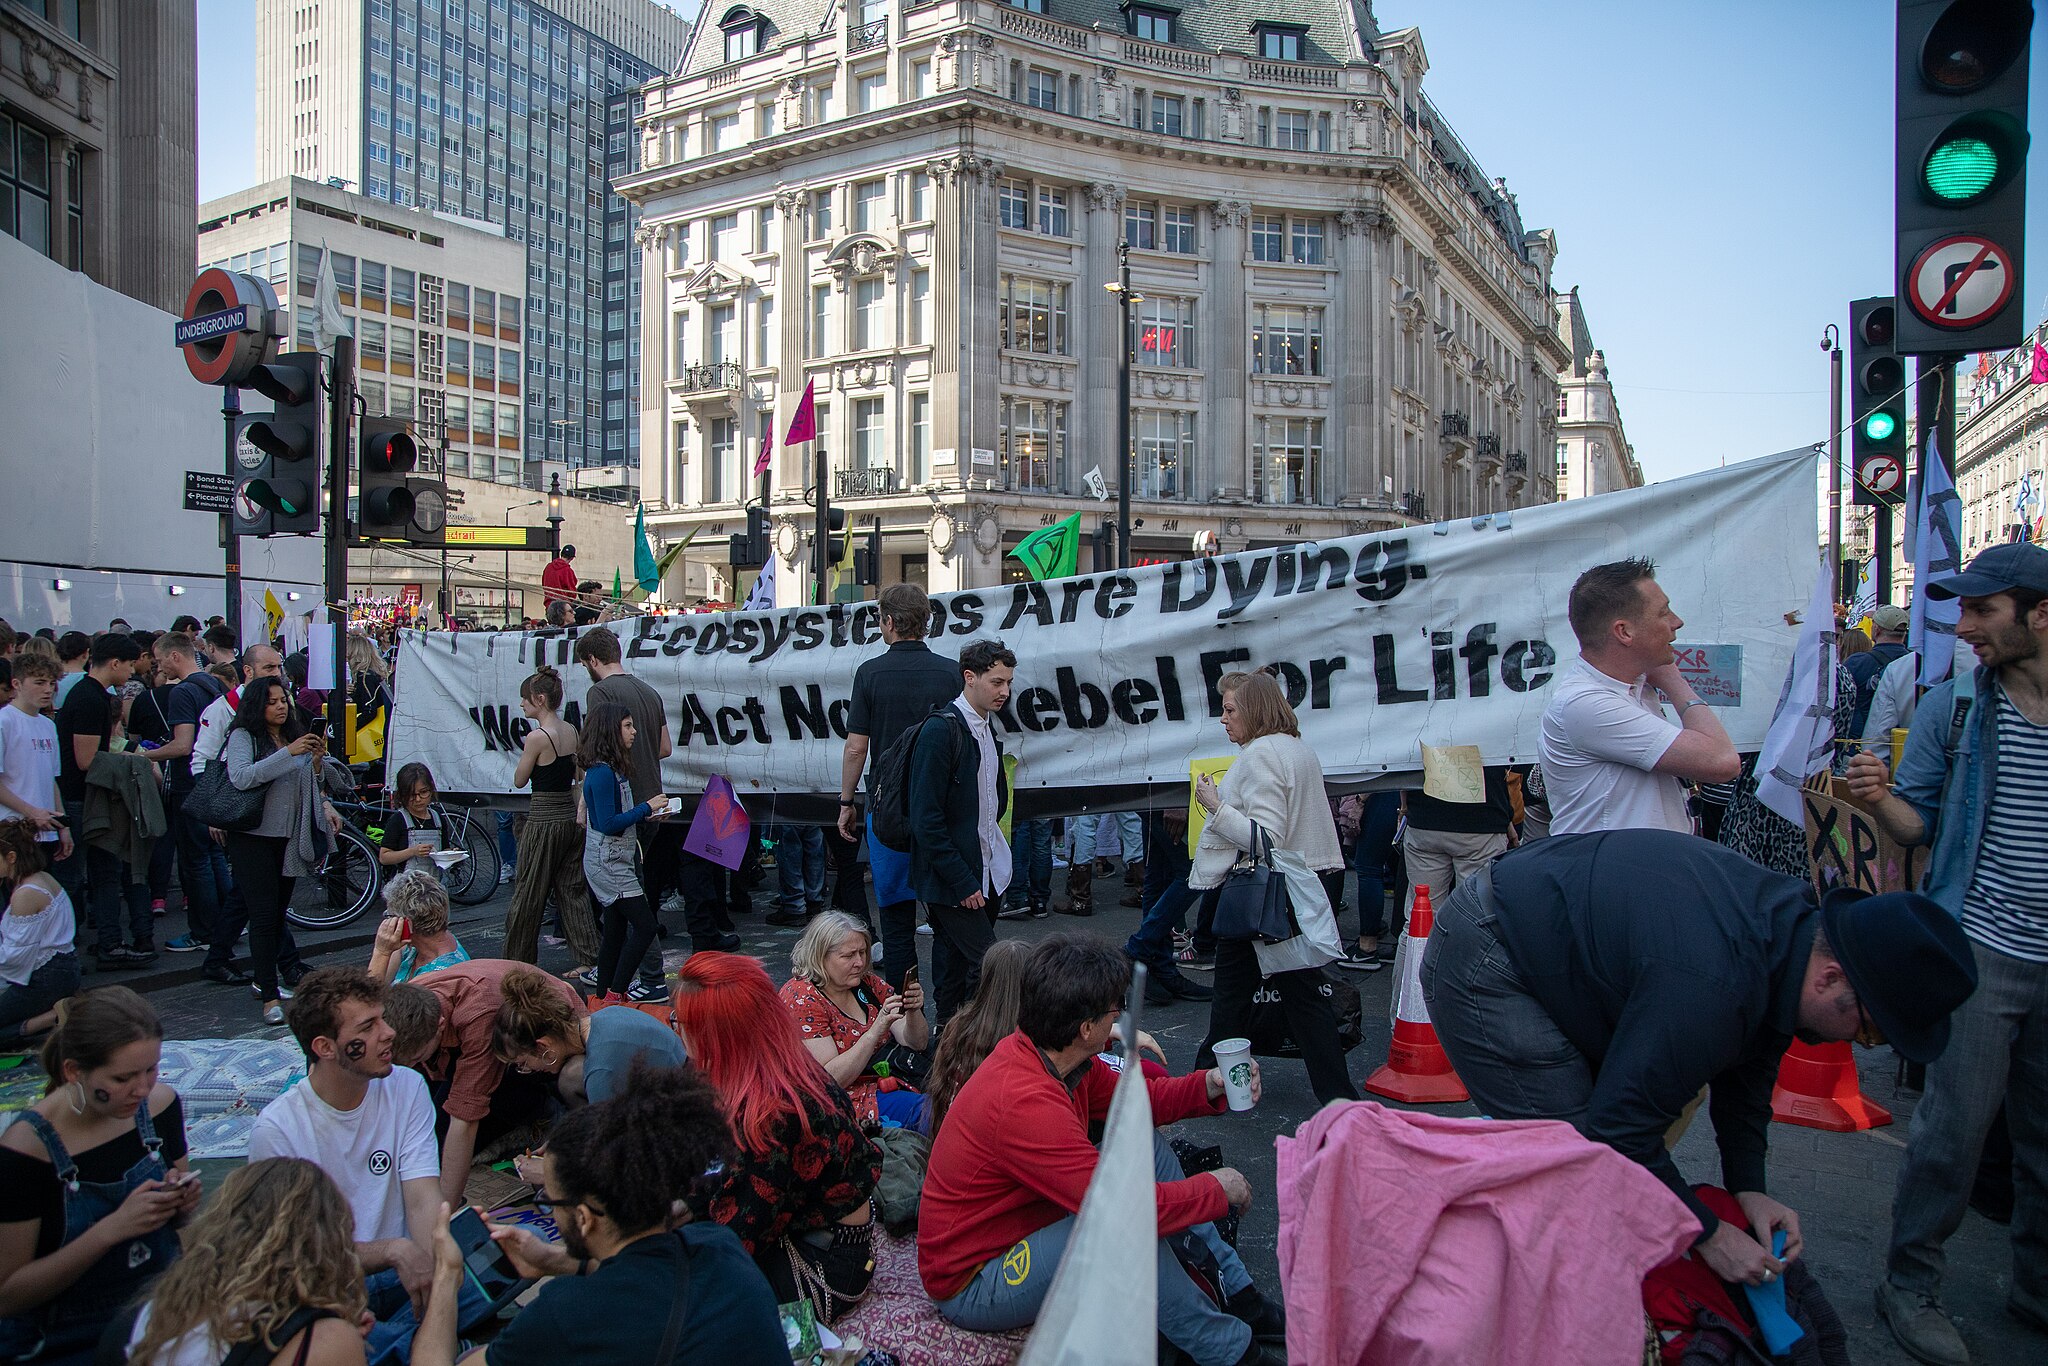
column 1592, row 452
column 2002, row 449
column 1343, row 325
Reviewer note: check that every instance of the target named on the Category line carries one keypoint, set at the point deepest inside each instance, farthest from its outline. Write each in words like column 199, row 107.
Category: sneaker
column 118, row 957
column 293, row 975
column 185, row 943
column 505, row 874
column 1360, row 960
column 142, row 953
column 642, row 992
column 1920, row 1326
column 157, row 907
column 924, row 929
column 1192, row 959
column 1017, row 910
column 585, row 981
column 724, row 943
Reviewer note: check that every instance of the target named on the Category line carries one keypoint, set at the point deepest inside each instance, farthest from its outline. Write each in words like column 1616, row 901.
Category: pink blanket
column 1409, row 1239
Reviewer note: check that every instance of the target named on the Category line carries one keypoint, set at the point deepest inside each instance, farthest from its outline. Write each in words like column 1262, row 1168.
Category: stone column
column 651, row 239
column 793, row 305
column 1100, row 341
column 1357, row 366
column 1227, row 441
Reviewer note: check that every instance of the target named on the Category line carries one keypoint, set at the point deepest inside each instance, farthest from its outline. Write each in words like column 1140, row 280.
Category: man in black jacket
column 1603, row 979
column 959, row 858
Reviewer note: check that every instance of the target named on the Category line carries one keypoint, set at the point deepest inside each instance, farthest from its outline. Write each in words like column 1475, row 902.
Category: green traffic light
column 1879, row 426
column 1961, row 168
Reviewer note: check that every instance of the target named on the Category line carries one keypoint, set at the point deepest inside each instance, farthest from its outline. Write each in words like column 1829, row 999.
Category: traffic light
column 835, row 541
column 749, row 548
column 285, row 445
column 867, row 559
column 385, row 506
column 1961, row 185
column 1877, row 403
column 1103, row 546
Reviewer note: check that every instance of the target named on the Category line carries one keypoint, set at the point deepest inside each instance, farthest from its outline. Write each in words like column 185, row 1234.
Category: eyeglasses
column 543, row 1203
column 1867, row 1031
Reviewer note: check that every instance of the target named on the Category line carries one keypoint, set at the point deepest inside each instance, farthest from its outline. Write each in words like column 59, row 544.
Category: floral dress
column 817, row 1018
column 794, row 1184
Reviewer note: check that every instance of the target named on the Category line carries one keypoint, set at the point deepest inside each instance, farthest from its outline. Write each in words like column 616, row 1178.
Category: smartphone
column 909, row 977
column 483, row 1261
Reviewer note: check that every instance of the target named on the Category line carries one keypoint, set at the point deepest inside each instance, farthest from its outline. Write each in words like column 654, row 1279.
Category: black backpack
column 889, row 787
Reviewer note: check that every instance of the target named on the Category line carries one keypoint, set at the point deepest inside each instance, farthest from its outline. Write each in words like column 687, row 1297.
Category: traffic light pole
column 341, row 388
column 231, row 544
column 1837, row 574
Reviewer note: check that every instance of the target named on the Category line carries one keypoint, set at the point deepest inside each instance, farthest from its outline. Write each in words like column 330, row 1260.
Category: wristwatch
column 1686, row 706
column 848, row 801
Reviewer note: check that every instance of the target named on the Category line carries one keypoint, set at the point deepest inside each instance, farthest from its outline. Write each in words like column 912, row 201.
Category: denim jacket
column 1954, row 811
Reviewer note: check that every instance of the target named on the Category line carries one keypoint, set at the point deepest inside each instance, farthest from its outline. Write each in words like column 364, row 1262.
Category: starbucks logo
column 1241, row 1073
column 380, row 1163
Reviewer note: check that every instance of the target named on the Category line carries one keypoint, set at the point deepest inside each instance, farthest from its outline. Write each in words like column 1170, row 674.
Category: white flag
column 1095, row 483
column 761, row 597
column 329, row 321
column 1935, row 552
column 1865, row 601
column 1801, row 739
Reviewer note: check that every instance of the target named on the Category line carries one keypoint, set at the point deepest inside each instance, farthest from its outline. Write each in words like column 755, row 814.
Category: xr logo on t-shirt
column 380, row 1163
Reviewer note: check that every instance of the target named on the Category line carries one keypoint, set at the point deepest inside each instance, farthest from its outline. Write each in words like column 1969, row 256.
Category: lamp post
column 1128, row 297
column 555, row 513
column 516, row 507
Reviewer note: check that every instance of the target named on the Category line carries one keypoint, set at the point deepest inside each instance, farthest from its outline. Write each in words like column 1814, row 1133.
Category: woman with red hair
column 798, row 1190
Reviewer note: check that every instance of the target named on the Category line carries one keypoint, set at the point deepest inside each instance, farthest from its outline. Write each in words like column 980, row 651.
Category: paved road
column 1840, row 1183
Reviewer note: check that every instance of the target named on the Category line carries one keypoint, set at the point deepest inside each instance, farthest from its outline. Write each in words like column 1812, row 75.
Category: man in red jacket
column 1012, row 1161
column 558, row 580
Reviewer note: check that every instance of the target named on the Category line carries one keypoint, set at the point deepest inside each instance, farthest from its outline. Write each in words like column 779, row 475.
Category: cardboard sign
column 1197, row 817
column 720, row 829
column 1846, row 847
column 1715, row 672
column 1453, row 773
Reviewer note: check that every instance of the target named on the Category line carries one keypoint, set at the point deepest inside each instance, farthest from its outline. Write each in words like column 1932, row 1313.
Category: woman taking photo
column 38, row 966
column 1277, row 783
column 847, row 1015
column 611, row 855
column 798, row 1189
column 272, row 1267
column 93, row 1181
column 269, row 750
column 550, row 861
column 414, row 939
column 589, row 1054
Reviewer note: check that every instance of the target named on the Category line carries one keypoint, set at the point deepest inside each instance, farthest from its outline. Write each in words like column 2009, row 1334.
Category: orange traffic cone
column 1417, row 1069
column 1817, row 1087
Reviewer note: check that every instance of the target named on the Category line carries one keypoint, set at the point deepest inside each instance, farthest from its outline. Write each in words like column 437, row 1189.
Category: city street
column 1841, row 1184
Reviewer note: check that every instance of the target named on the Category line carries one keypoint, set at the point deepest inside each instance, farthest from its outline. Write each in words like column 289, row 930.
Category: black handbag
column 214, row 800
column 1252, row 903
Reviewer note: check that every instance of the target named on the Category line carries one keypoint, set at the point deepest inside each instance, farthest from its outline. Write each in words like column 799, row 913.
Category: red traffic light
column 1973, row 42
column 390, row 451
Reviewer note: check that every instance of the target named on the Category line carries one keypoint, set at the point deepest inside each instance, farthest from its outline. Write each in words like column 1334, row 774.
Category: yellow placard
column 1214, row 768
column 509, row 537
column 1453, row 773
column 1009, row 807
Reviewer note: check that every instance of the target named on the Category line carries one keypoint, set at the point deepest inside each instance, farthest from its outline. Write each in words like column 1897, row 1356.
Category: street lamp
column 516, row 507
column 1128, row 297
column 555, row 512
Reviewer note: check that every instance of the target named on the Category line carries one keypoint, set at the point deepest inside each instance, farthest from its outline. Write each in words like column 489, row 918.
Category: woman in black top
column 93, row 1181
column 551, row 843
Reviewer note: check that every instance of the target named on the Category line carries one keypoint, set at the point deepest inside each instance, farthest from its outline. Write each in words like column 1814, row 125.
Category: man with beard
column 1605, row 979
column 370, row 1126
column 1973, row 783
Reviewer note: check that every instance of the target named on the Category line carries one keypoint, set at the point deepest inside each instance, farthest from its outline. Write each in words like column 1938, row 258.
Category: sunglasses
column 1867, row 1032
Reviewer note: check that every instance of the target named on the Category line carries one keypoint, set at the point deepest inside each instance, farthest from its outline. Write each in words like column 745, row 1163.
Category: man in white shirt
column 1611, row 758
column 28, row 755
column 369, row 1126
column 212, row 739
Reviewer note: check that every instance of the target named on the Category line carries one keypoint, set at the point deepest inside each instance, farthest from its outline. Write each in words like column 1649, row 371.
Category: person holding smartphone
column 611, row 856
column 849, row 1019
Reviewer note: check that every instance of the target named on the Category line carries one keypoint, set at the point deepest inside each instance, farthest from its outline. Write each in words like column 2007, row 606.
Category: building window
column 918, row 198
column 1279, row 44
column 1286, row 459
column 458, row 357
column 373, row 282
column 920, row 82
column 764, row 229
column 720, row 476
column 1290, row 130
column 1141, row 224
column 1177, row 230
column 402, row 295
column 721, row 130
column 401, row 345
column 1031, row 438
column 370, row 338
column 743, row 32
column 1052, row 212
column 870, row 438
column 867, row 314
column 1013, row 204
column 1028, row 6
column 725, row 235
column 484, row 364
column 821, row 213
column 869, row 92
column 1305, row 241
column 1152, row 25
column 918, row 330
column 764, row 330
column 821, row 319
column 1163, row 451
column 1163, row 332
column 1280, row 239
column 1287, row 340
column 724, row 340
column 1042, row 89
column 867, row 204
column 821, row 104
column 458, row 413
column 679, row 344
column 919, row 434
column 1032, row 315
column 1165, row 115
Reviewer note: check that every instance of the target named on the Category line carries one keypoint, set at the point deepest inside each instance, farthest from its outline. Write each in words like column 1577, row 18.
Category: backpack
column 889, row 787
column 1866, row 669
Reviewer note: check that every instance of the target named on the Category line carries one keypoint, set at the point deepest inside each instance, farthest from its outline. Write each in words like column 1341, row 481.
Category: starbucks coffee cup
column 1234, row 1060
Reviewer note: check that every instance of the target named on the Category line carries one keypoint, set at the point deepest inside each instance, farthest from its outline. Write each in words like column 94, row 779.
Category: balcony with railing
column 1455, row 424
column 1167, row 58
column 876, row 481
column 1294, row 73
column 1416, row 505
column 1041, row 29
column 716, row 377
column 861, row 37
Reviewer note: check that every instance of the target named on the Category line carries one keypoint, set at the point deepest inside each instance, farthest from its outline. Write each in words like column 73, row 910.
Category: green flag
column 1052, row 552
column 645, row 572
column 618, row 590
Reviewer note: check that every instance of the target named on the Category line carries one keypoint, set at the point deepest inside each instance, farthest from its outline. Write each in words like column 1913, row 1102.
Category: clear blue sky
column 1719, row 177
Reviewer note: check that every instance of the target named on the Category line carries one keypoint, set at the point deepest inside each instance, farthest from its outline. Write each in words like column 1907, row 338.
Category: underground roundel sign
column 230, row 326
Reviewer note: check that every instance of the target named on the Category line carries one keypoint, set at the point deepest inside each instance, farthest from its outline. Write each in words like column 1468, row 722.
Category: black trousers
column 662, row 870
column 961, row 935
column 258, row 864
column 1311, row 1022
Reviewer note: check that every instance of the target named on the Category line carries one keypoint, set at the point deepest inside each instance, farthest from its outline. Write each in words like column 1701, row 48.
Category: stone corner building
column 1344, row 326
column 1593, row 454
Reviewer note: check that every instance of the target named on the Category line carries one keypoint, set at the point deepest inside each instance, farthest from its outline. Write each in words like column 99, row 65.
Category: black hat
column 1997, row 570
column 1908, row 961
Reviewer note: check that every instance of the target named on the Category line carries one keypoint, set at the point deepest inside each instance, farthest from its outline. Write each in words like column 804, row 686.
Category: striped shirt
column 2006, row 907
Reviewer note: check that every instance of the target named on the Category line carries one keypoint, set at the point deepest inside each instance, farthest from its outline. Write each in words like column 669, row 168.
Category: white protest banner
column 1448, row 634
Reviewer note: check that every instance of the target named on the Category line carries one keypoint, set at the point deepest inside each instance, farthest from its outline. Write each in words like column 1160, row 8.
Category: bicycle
column 351, row 878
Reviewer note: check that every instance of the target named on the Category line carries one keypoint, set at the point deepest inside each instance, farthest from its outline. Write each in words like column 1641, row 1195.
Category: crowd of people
column 1594, row 960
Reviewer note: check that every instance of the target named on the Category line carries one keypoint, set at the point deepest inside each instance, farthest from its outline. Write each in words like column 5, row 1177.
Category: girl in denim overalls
column 99, row 1160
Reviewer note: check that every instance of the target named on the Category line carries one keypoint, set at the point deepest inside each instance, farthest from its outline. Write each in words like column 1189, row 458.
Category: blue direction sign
column 188, row 330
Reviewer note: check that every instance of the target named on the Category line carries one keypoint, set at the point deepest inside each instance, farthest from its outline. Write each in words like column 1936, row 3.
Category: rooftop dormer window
column 744, row 31
column 1279, row 42
column 1029, row 6
column 1153, row 23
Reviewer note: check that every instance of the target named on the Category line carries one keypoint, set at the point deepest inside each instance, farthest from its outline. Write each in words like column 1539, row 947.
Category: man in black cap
column 1603, row 979
column 1973, row 783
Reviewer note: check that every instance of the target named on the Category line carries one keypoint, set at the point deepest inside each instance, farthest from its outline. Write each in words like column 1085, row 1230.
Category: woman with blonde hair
column 1276, row 787
column 269, row 1276
column 847, row 1015
column 550, row 861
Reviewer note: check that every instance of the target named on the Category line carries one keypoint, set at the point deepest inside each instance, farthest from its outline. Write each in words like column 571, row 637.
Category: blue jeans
column 1031, row 856
column 508, row 842
column 213, row 907
column 389, row 1342
column 994, row 1303
column 799, row 867
column 1373, row 856
column 1152, row 942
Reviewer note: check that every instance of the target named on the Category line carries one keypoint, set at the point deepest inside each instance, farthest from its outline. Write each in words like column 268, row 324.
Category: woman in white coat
column 1278, row 783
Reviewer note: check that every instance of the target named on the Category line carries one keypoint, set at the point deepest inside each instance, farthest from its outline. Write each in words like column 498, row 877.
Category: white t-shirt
column 369, row 1151
column 1601, row 740
column 28, row 762
column 210, row 737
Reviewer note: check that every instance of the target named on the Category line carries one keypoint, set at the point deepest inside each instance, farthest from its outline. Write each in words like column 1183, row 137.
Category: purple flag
column 720, row 829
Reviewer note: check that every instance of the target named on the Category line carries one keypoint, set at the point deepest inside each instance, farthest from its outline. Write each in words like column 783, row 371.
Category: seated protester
column 444, row 1023
column 588, row 1055
column 848, row 1016
column 1011, row 1162
column 414, row 939
column 798, row 1187
column 414, row 832
column 38, row 966
column 369, row 1126
column 93, row 1181
column 629, row 1285
column 270, row 1266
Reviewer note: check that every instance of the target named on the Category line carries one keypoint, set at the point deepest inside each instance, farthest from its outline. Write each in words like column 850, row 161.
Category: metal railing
column 1455, row 424
column 1486, row 444
column 861, row 37
column 1415, row 505
column 697, row 379
column 1518, row 463
column 877, row 481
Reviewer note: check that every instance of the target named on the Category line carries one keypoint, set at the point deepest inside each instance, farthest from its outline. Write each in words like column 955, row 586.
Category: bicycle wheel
column 474, row 881
column 345, row 887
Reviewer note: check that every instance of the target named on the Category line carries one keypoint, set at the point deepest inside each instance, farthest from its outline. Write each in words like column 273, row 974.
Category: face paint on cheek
column 355, row 1050
column 101, row 1096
